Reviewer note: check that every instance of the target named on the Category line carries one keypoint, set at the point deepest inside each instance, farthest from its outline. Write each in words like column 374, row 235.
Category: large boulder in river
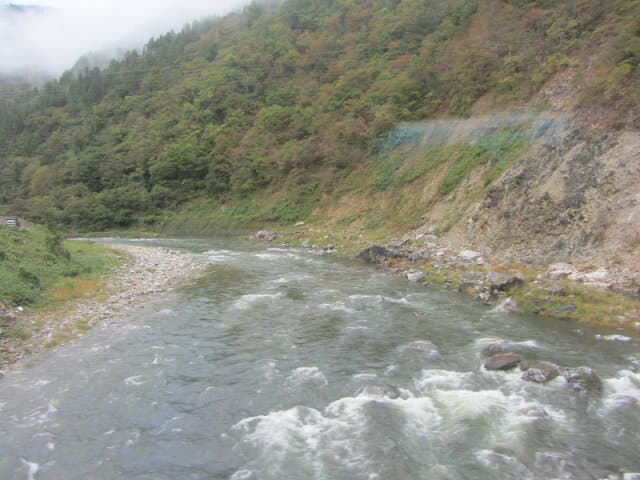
column 502, row 361
column 377, row 254
column 583, row 379
column 541, row 373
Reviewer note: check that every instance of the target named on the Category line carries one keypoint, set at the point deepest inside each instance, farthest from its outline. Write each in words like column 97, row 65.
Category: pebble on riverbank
column 148, row 270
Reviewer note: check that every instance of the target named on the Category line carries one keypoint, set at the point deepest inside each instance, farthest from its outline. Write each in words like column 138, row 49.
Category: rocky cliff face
column 574, row 198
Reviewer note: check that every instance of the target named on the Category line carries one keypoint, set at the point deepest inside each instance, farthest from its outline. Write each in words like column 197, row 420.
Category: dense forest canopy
column 288, row 100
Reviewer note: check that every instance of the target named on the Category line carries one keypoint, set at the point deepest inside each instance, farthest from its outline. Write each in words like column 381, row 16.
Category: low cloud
column 50, row 39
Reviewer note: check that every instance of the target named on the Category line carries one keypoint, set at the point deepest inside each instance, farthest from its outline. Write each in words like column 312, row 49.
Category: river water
column 283, row 364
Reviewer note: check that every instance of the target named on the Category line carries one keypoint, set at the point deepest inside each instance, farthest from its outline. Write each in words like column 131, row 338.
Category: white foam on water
column 247, row 301
column 51, row 446
column 135, row 380
column 100, row 348
column 614, row 338
column 485, row 341
column 269, row 369
column 423, row 346
column 32, row 468
column 463, row 404
column 524, row 343
column 377, row 299
column 338, row 433
column 242, row 475
column 441, row 379
column 40, row 417
column 365, row 376
column 222, row 256
column 509, row 415
column 41, row 383
column 623, row 389
column 336, row 307
column 503, row 461
column 303, row 376
column 266, row 256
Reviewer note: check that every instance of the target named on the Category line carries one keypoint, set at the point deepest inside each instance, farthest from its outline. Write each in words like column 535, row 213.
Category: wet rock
column 502, row 283
column 583, row 380
column 505, row 306
column 502, row 361
column 266, row 236
column 388, row 391
column 541, row 373
column 491, row 350
column 377, row 254
column 524, row 365
column 484, row 297
column 564, row 310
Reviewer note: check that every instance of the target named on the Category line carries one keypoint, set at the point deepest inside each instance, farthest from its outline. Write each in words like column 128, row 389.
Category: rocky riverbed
column 146, row 270
column 562, row 290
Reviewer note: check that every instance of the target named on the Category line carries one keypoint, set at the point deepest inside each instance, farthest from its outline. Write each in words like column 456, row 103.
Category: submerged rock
column 491, row 350
column 541, row 373
column 502, row 361
column 583, row 380
column 506, row 306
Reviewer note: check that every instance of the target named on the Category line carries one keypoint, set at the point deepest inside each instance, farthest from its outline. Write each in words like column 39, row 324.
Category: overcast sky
column 52, row 42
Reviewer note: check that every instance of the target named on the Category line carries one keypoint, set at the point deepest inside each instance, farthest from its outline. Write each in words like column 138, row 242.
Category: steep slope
column 508, row 126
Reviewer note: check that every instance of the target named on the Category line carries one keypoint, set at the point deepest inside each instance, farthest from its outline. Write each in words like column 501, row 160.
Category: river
column 280, row 363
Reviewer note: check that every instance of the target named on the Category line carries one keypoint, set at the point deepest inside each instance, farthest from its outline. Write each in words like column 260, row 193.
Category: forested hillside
column 266, row 114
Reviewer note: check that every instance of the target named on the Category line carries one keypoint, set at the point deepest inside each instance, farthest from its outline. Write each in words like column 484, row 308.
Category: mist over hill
column 49, row 40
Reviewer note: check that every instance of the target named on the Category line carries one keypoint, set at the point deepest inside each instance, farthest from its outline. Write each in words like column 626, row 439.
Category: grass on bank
column 40, row 271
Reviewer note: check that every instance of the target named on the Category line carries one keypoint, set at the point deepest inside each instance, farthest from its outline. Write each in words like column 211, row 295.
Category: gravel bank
column 148, row 270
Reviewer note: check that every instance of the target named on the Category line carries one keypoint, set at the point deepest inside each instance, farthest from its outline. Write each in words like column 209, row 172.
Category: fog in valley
column 45, row 39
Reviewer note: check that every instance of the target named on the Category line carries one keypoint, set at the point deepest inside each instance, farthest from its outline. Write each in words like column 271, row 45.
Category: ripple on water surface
column 280, row 364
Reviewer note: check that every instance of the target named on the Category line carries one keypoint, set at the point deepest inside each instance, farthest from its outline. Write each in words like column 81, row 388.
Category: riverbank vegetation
column 40, row 272
column 38, row 267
